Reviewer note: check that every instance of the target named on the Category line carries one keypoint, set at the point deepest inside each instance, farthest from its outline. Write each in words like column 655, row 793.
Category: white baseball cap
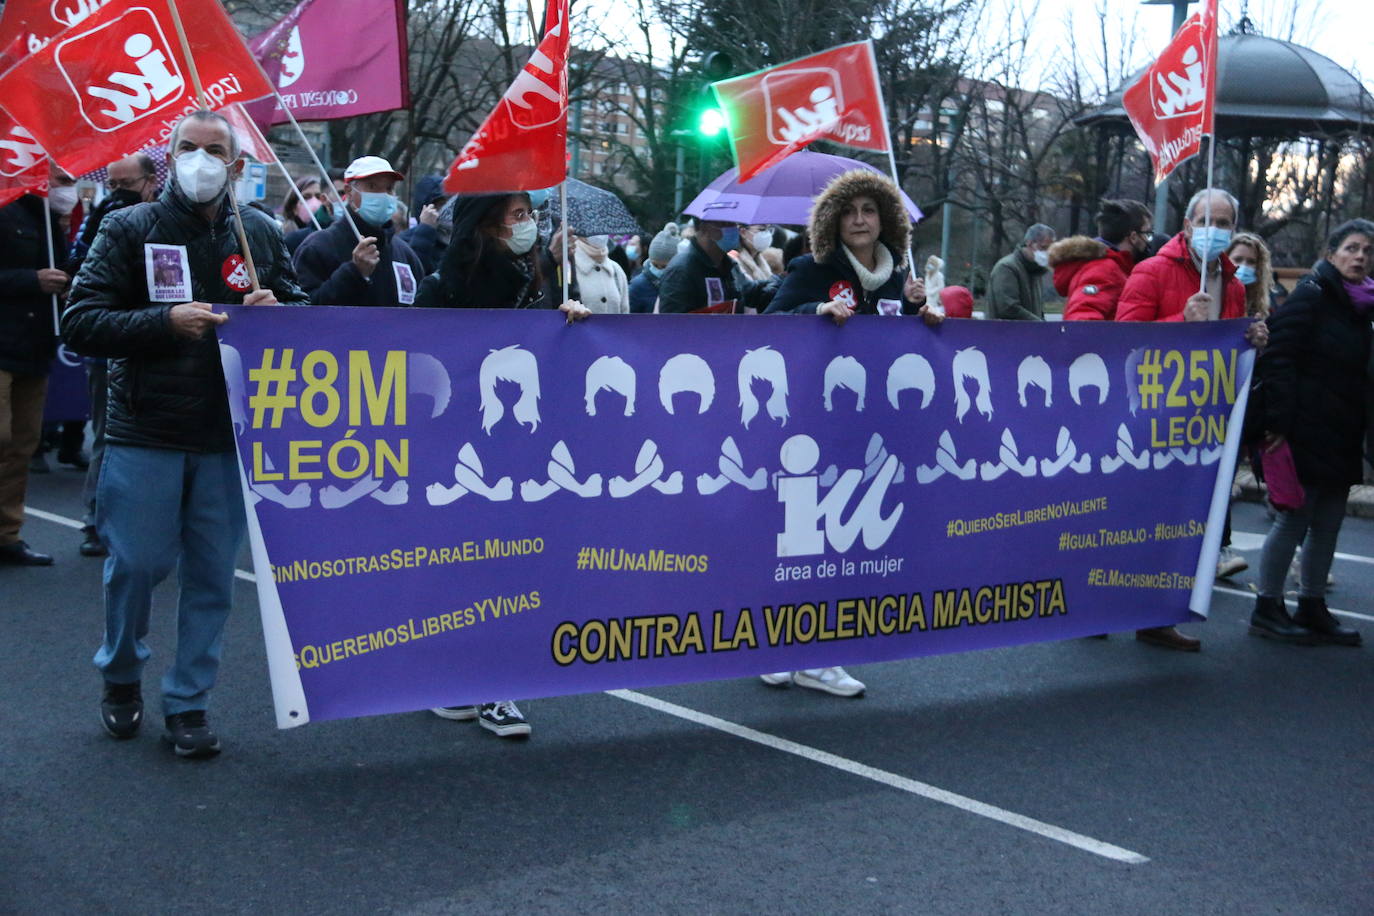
column 367, row 166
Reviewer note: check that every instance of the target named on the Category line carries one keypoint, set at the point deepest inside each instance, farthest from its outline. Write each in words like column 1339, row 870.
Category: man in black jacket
column 703, row 275
column 336, row 267
column 27, row 346
column 169, row 488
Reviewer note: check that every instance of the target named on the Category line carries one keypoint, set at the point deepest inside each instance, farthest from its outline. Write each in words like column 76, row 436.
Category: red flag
column 1174, row 102
column 833, row 95
column 522, row 145
column 35, row 22
column 250, row 138
column 328, row 65
column 117, row 81
column 23, row 164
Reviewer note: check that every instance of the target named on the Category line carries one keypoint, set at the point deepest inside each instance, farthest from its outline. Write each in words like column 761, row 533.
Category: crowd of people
column 163, row 484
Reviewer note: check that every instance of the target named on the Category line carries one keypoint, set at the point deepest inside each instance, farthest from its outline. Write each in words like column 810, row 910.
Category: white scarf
column 594, row 252
column 753, row 266
column 871, row 279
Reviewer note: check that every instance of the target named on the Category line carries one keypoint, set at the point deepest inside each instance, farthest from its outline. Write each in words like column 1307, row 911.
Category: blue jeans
column 156, row 508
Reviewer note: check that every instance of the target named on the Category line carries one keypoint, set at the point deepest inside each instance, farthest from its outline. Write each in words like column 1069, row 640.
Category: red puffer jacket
column 1090, row 275
column 1159, row 287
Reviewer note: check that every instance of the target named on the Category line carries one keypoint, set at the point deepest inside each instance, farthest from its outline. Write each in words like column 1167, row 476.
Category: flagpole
column 892, row 163
column 200, row 100
column 324, row 173
column 563, row 210
column 47, row 228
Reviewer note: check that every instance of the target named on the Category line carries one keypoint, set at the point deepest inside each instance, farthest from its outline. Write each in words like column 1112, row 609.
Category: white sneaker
column 1229, row 563
column 830, row 680
column 456, row 713
column 778, row 679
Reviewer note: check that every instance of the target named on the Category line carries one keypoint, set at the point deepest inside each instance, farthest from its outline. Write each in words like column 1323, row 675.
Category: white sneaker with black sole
column 503, row 719
column 835, row 681
column 455, row 713
column 1229, row 563
column 778, row 679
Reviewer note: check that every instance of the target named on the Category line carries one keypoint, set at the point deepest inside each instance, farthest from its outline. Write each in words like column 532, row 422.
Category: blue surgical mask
column 631, row 251
column 729, row 239
column 1210, row 241
column 523, row 235
column 1246, row 274
column 652, row 271
column 376, row 207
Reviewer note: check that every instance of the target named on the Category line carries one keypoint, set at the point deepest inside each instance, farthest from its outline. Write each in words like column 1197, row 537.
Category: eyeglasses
column 125, row 184
column 518, row 216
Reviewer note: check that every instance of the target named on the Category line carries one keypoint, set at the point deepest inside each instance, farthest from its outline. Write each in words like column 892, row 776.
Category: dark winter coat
column 826, row 273
column 27, row 341
column 167, row 391
column 1161, row 286
column 1313, row 379
column 479, row 273
column 682, row 288
column 324, row 264
column 1090, row 275
column 425, row 242
column 1016, row 289
column 643, row 292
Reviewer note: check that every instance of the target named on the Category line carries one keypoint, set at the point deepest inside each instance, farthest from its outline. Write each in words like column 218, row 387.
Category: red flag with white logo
column 117, row 80
column 522, row 145
column 23, row 164
column 35, row 22
column 833, row 95
column 1173, row 104
column 250, row 138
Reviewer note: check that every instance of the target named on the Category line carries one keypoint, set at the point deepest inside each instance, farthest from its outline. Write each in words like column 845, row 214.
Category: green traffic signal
column 711, row 122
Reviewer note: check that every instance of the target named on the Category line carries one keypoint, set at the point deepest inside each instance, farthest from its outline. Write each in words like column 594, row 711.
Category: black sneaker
column 503, row 719
column 121, row 709
column 190, row 736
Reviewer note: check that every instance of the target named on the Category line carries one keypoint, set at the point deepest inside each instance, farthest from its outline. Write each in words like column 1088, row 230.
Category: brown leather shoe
column 1168, row 638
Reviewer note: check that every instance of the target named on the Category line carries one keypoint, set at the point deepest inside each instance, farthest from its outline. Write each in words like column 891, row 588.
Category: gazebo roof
column 1267, row 87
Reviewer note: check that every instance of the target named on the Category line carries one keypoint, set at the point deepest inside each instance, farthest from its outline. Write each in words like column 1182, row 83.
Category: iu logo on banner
column 19, row 152
column 833, row 95
column 1172, row 104
column 121, row 71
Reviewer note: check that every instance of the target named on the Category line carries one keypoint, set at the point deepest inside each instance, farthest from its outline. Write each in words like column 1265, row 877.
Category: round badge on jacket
column 235, row 273
column 841, row 291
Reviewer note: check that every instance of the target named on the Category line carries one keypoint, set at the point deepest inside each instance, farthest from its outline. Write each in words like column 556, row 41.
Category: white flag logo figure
column 826, row 102
column 20, row 152
column 70, row 12
column 292, row 60
column 1176, row 95
column 140, row 72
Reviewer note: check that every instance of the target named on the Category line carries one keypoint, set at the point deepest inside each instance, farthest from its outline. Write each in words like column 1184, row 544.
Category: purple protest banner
column 450, row 506
column 334, row 59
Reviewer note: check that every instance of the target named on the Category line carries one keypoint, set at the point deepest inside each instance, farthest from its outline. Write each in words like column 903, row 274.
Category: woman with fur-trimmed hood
column 859, row 233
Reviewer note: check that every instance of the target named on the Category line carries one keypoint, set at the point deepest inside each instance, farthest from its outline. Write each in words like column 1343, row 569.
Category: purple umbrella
column 782, row 194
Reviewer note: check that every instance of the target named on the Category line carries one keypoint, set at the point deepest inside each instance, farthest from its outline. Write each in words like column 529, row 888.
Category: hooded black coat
column 167, row 391
column 1312, row 379
column 324, row 264
column 478, row 273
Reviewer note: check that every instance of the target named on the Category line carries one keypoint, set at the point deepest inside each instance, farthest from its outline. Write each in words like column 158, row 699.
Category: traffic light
column 711, row 121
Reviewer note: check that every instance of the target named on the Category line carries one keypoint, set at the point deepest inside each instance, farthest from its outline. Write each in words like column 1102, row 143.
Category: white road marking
column 1246, row 593
column 893, row 780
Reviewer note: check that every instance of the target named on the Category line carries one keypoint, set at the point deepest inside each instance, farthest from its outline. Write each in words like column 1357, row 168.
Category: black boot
column 1314, row 615
column 1270, row 619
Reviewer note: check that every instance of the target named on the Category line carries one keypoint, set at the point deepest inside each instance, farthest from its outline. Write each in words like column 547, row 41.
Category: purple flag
column 334, row 59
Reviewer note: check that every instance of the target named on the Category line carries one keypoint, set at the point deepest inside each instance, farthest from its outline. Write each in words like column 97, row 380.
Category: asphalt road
column 1078, row 777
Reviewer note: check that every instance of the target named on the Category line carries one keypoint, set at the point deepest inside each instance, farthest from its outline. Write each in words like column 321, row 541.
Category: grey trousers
column 1315, row 526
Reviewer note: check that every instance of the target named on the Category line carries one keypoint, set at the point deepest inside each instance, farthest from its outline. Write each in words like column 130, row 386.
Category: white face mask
column 761, row 239
column 522, row 237
column 1042, row 258
column 202, row 177
column 62, row 200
